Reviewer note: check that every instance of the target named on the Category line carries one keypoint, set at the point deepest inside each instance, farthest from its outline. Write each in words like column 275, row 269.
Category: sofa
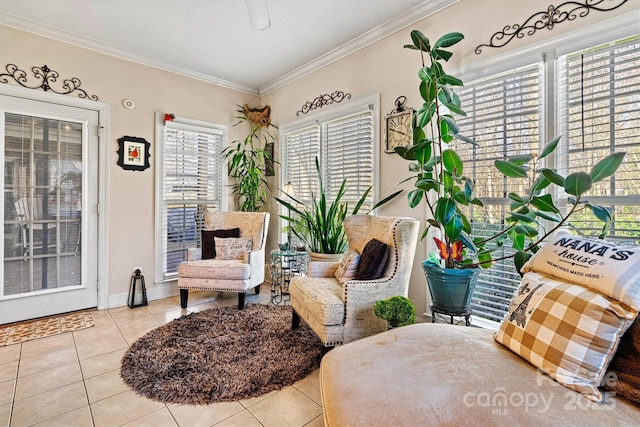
column 439, row 374
column 566, row 353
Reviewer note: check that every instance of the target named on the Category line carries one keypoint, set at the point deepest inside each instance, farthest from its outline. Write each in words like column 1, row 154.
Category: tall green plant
column 246, row 161
column 439, row 173
column 320, row 226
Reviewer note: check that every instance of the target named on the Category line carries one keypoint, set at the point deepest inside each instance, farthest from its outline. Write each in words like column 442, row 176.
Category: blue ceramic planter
column 450, row 289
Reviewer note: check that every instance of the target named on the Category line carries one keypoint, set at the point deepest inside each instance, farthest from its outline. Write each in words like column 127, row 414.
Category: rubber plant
column 320, row 224
column 246, row 159
column 439, row 180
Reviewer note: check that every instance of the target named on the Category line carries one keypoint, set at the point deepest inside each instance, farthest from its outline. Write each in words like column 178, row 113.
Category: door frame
column 103, row 110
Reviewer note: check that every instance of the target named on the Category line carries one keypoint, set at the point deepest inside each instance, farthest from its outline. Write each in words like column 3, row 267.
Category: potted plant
column 439, row 181
column 247, row 159
column 320, row 225
column 397, row 310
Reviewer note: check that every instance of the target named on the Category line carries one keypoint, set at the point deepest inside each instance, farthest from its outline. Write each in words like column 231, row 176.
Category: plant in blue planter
column 438, row 176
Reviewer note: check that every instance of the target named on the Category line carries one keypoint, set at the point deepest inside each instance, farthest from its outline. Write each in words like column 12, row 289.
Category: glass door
column 49, row 209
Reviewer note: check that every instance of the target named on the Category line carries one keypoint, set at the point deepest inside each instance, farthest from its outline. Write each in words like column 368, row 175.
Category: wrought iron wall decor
column 45, row 76
column 567, row 11
column 322, row 100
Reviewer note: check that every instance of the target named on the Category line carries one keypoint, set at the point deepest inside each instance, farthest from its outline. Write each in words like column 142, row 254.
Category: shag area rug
column 221, row 354
column 15, row 333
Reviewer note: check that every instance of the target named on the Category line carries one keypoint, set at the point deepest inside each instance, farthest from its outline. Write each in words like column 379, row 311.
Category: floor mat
column 33, row 329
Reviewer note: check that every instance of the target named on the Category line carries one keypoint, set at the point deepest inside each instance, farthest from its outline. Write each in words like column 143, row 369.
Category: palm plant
column 320, row 225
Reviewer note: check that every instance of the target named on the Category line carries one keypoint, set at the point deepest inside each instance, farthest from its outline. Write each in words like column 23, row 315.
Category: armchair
column 340, row 314
column 227, row 275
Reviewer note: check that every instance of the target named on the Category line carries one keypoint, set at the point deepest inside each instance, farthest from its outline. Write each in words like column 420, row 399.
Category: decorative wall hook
column 567, row 11
column 45, row 77
column 322, row 100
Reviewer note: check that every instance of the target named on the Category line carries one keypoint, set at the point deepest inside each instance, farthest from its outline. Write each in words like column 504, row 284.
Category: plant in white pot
column 438, row 175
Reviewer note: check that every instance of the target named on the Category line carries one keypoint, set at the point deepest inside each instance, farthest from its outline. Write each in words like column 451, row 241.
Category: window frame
column 617, row 28
column 319, row 119
column 160, row 230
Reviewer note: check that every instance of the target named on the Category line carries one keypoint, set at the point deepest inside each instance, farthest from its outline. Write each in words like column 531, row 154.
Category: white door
column 49, row 209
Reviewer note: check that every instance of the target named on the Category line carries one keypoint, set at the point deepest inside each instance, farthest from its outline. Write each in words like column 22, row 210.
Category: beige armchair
column 340, row 314
column 227, row 275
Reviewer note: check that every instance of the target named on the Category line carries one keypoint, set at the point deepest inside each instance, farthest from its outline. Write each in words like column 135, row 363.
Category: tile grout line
column 84, row 384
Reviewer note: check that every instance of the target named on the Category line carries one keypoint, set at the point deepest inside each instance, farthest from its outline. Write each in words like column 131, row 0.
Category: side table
column 285, row 265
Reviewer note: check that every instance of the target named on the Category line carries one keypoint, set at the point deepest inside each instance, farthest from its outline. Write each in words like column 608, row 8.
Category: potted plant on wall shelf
column 247, row 159
column 320, row 224
column 439, row 180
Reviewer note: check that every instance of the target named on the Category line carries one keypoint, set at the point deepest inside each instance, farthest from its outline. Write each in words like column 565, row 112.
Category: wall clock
column 398, row 129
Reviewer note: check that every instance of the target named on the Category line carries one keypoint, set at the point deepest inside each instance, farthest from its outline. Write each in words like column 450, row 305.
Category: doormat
column 15, row 333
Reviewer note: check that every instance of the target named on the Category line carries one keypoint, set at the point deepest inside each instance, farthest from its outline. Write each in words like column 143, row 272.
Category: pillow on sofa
column 626, row 365
column 607, row 267
column 568, row 331
column 373, row 260
column 208, row 241
column 233, row 248
column 348, row 267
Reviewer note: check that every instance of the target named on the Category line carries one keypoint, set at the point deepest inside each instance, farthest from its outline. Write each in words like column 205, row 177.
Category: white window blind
column 344, row 145
column 599, row 106
column 191, row 176
column 504, row 116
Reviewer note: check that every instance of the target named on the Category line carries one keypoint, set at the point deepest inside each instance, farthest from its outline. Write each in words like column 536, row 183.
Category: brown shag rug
column 222, row 354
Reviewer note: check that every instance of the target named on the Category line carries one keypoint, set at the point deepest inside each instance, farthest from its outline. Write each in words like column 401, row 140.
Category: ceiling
column 212, row 39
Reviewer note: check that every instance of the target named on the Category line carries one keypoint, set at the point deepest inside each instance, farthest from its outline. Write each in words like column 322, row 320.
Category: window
column 190, row 180
column 597, row 112
column 504, row 116
column 346, row 145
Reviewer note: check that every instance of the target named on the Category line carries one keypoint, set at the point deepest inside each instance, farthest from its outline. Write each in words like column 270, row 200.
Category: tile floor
column 73, row 379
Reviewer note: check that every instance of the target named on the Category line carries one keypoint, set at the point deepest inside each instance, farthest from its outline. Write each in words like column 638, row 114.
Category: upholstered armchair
column 343, row 312
column 224, row 273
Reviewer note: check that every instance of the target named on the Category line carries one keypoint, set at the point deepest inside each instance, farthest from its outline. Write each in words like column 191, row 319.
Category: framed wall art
column 133, row 153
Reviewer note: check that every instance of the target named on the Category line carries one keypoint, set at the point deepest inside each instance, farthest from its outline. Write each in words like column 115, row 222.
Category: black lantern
column 137, row 277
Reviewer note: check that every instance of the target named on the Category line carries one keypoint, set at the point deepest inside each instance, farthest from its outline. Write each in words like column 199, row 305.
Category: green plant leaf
column 526, row 230
column 450, row 80
column 515, row 197
column 445, row 210
column 539, row 184
column 485, row 259
column 464, row 238
column 577, row 183
column 510, row 169
column 520, row 259
column 522, row 217
column 544, row 203
column 468, row 190
column 448, row 40
column 426, row 184
column 553, row 176
column 441, row 54
column 466, row 139
column 420, row 41
column 453, row 228
column 452, row 162
column 549, row 217
column 521, row 160
column 549, row 148
column 600, row 212
column 606, row 167
column 414, row 196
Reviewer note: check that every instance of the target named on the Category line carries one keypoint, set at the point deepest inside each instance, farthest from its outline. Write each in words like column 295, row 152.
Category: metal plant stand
column 284, row 266
column 438, row 313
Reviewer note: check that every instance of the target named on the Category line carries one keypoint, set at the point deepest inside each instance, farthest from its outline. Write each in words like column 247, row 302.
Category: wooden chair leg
column 241, row 300
column 295, row 320
column 184, row 296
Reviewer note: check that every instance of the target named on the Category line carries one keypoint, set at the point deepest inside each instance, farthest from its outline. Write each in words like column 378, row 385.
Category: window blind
column 191, row 183
column 599, row 106
column 504, row 116
column 344, row 145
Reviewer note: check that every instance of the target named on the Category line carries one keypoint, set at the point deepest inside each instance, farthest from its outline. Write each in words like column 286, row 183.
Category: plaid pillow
column 607, row 267
column 568, row 331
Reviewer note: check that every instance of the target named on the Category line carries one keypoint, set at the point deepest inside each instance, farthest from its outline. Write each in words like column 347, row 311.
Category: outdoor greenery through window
column 344, row 145
column 597, row 112
column 190, row 180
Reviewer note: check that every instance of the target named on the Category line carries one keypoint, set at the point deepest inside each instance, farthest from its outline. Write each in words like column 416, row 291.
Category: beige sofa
column 439, row 374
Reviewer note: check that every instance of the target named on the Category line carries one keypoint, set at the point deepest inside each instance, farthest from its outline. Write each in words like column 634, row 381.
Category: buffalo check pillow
column 568, row 331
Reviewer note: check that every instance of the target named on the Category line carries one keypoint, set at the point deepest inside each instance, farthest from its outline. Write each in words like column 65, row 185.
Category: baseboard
column 161, row 290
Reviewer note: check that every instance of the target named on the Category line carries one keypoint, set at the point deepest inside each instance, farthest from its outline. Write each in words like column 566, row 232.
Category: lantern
column 136, row 278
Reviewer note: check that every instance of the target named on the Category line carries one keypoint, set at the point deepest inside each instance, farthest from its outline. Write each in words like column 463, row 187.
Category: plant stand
column 435, row 311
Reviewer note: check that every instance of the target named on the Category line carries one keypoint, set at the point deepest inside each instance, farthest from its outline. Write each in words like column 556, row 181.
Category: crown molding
column 30, row 26
column 398, row 23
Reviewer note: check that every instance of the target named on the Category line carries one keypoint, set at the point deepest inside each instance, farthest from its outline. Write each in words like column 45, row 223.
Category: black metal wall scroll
column 44, row 77
column 567, row 11
column 322, row 100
